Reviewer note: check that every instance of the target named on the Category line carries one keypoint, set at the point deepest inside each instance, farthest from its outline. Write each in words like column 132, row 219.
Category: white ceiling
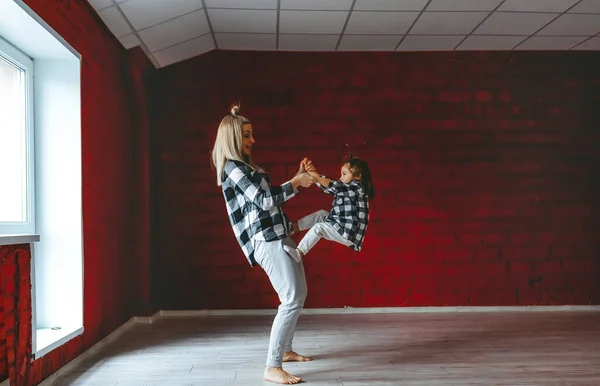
column 170, row 31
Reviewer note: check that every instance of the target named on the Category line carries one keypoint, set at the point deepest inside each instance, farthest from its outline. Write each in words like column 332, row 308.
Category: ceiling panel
column 587, row 6
column 129, row 41
column 143, row 13
column 514, row 23
column 115, row 21
column 329, row 5
column 237, row 20
column 308, row 42
column 250, row 42
column 369, row 43
column 490, row 42
column 550, row 42
column 101, row 4
column 380, row 22
column 312, row 22
column 452, row 23
column 184, row 51
column 390, row 5
column 463, row 5
column 573, row 25
column 537, row 5
column 186, row 27
column 244, row 4
column 430, row 43
column 591, row 44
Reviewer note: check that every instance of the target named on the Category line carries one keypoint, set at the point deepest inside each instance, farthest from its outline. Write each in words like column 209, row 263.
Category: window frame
column 20, row 60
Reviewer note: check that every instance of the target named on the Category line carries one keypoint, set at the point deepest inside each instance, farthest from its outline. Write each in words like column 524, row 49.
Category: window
column 17, row 199
column 40, row 168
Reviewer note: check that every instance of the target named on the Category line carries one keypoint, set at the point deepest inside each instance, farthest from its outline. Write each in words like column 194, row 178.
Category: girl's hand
column 308, row 165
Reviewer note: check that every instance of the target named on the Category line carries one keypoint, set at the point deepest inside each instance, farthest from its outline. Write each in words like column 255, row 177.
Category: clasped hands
column 303, row 177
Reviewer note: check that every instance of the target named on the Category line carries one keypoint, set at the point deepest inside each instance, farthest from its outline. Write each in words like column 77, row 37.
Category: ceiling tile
column 129, row 41
column 369, row 43
column 592, row 44
column 307, row 42
column 237, row 20
column 389, row 5
column 573, row 25
column 143, row 13
column 115, row 21
column 330, row 5
column 550, row 43
column 314, row 22
column 587, row 6
column 451, row 23
column 430, row 43
column 463, row 5
column 380, row 22
column 245, row 4
column 175, row 31
column 536, row 5
column 101, row 4
column 185, row 50
column 490, row 42
column 246, row 42
column 514, row 23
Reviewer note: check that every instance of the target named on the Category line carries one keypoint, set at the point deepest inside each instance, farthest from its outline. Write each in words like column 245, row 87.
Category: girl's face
column 347, row 175
column 247, row 139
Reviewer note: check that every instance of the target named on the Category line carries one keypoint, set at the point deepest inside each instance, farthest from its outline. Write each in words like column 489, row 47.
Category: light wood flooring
column 521, row 348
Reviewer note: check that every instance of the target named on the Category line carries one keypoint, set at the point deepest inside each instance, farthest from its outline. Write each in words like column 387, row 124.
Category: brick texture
column 115, row 175
column 486, row 165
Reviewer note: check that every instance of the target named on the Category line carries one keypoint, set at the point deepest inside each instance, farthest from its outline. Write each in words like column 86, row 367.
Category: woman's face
column 247, row 139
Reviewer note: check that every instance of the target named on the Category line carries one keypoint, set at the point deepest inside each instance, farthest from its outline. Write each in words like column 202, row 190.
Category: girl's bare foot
column 278, row 375
column 292, row 356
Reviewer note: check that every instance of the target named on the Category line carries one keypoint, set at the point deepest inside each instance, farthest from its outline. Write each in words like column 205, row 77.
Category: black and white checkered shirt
column 349, row 213
column 253, row 206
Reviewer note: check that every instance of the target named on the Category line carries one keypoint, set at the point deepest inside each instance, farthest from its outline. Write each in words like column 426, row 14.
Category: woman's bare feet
column 292, row 356
column 278, row 375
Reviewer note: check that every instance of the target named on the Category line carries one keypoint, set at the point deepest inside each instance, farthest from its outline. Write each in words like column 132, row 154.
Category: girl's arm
column 322, row 180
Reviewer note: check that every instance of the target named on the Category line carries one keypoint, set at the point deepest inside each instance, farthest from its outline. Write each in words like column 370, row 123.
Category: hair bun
column 234, row 110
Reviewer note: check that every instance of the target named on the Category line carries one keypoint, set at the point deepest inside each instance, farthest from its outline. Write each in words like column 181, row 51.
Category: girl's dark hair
column 358, row 167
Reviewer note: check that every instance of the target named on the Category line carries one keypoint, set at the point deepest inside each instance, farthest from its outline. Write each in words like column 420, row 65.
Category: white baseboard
column 377, row 310
column 54, row 378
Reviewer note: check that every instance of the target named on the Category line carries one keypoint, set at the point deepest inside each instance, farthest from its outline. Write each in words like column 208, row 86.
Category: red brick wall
column 15, row 327
column 486, row 166
column 115, row 164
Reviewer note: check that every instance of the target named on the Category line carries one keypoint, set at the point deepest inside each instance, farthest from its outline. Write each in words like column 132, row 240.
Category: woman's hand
column 303, row 180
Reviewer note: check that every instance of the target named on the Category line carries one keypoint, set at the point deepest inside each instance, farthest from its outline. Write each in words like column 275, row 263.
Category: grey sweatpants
column 289, row 281
column 319, row 228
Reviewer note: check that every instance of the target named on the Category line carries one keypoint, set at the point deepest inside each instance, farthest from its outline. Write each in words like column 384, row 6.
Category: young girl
column 347, row 221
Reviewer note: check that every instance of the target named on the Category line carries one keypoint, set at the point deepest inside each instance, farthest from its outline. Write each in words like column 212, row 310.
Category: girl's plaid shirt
column 349, row 213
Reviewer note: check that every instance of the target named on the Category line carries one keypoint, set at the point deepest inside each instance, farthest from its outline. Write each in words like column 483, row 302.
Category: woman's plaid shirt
column 349, row 213
column 253, row 206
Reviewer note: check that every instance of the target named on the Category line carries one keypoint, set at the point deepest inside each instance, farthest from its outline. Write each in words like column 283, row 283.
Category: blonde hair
column 228, row 144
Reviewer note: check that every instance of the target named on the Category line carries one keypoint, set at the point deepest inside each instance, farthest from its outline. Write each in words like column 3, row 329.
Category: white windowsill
column 48, row 339
column 18, row 239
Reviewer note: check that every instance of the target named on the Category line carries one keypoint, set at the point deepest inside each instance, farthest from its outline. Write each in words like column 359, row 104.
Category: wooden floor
column 524, row 348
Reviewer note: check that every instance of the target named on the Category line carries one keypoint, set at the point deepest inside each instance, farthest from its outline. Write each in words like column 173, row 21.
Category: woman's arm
column 264, row 198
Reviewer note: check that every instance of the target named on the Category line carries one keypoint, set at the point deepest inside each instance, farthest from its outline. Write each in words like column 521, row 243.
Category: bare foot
column 278, row 375
column 292, row 356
